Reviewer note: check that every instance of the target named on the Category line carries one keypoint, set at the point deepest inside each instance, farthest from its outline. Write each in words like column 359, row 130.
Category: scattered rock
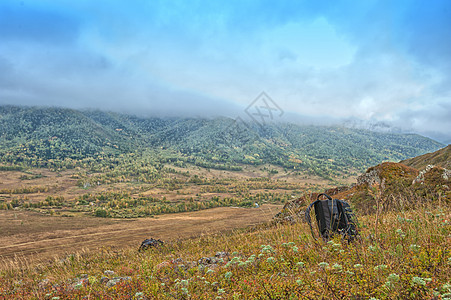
column 112, row 282
column 445, row 175
column 208, row 260
column 187, row 265
column 177, row 261
column 222, row 254
column 292, row 212
column 420, row 178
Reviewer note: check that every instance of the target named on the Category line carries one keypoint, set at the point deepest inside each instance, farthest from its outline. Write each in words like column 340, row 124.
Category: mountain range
column 32, row 136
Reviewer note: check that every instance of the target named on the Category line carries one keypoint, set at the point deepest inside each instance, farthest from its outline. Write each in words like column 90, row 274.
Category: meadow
column 407, row 258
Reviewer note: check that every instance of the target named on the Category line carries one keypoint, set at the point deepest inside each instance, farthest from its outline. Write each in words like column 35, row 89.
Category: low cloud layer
column 375, row 61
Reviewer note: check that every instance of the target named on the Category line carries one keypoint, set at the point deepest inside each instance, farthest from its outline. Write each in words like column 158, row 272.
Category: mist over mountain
column 34, row 136
column 379, row 62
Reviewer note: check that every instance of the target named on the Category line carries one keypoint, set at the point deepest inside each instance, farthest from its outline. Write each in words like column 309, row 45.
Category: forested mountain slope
column 35, row 135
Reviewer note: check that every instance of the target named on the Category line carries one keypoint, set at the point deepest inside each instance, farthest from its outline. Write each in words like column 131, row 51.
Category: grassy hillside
column 408, row 258
column 388, row 186
column 64, row 138
column 440, row 158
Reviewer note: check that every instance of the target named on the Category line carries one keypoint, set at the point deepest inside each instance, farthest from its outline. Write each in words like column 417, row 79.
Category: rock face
column 370, row 178
column 433, row 175
column 420, row 177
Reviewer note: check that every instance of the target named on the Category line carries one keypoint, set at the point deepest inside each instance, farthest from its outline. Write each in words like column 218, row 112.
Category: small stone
column 112, row 282
column 115, row 280
column 108, row 273
column 370, row 178
column 44, row 283
column 207, row 260
column 162, row 265
column 222, row 254
column 78, row 284
column 104, row 280
column 177, row 261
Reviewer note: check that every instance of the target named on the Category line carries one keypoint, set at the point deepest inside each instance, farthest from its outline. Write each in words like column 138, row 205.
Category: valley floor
column 35, row 236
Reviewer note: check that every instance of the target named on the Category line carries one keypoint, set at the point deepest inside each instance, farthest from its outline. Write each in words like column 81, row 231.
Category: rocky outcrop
column 370, row 178
column 420, row 177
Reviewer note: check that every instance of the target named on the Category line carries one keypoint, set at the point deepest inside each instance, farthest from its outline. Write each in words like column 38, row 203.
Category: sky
column 367, row 63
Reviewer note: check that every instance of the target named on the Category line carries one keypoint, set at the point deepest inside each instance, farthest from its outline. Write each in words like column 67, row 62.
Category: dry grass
column 408, row 259
column 39, row 237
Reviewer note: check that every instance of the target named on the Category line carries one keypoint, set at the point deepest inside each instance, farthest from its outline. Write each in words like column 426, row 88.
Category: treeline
column 26, row 190
column 50, row 201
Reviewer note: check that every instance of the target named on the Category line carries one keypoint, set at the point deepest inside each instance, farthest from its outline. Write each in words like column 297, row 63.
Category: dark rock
column 208, row 260
column 150, row 243
column 104, row 280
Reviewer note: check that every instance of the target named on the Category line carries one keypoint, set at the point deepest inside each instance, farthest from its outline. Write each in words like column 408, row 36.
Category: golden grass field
column 39, row 236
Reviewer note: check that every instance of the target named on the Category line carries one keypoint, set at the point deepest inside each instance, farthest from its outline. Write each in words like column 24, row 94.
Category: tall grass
column 408, row 257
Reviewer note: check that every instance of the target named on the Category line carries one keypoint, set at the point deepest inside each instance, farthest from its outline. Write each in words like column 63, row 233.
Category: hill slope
column 33, row 136
column 440, row 158
column 397, row 185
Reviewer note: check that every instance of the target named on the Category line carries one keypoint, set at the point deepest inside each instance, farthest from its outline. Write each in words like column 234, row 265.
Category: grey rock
column 44, row 283
column 108, row 273
column 115, row 280
column 369, row 178
column 208, row 260
column 177, row 261
column 420, row 178
column 221, row 254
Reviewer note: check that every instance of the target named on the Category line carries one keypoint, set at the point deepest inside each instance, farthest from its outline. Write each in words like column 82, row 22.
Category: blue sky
column 356, row 61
